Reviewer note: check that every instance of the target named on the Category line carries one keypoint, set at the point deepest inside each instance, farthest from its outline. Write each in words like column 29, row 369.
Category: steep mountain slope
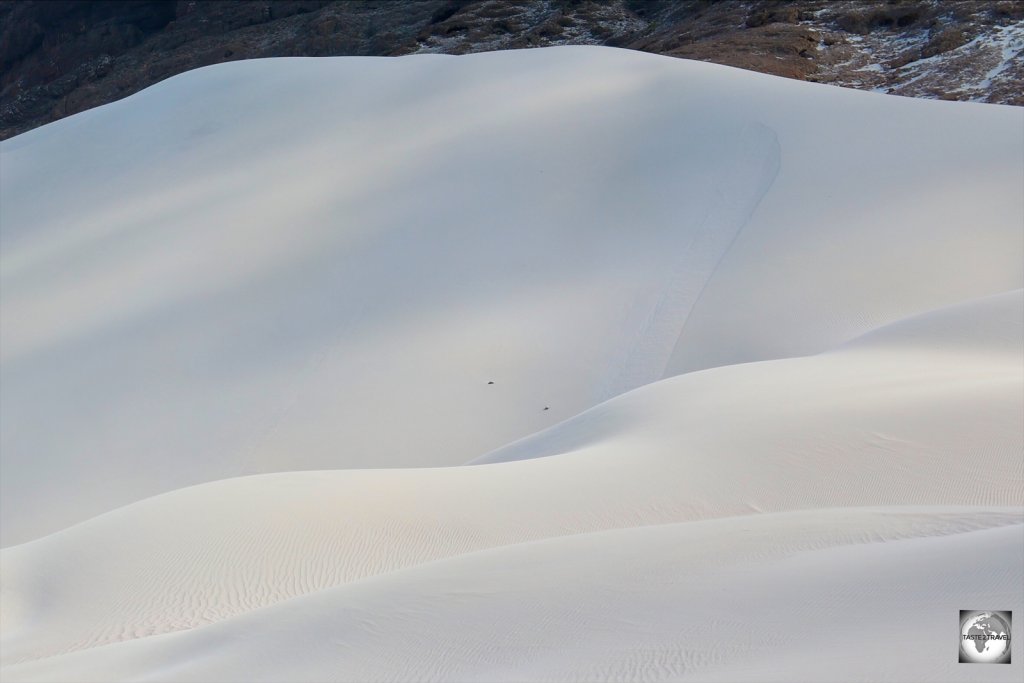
column 58, row 58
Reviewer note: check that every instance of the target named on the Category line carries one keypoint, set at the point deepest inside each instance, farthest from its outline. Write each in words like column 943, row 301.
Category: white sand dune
column 756, row 347
column 892, row 419
column 870, row 592
column 320, row 263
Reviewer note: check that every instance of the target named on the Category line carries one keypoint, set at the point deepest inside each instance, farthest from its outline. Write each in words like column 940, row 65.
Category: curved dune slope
column 726, row 600
column 292, row 264
column 893, row 419
column 568, row 365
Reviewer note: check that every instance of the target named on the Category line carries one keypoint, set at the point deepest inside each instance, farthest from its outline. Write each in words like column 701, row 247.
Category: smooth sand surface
column 570, row 364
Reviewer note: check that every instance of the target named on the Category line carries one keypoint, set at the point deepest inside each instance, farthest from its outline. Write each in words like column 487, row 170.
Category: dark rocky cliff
column 61, row 57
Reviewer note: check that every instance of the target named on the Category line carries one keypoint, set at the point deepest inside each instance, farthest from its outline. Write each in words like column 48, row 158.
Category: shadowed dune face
column 571, row 223
column 600, row 365
column 880, row 423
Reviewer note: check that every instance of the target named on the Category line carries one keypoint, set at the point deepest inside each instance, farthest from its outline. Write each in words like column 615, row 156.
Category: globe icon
column 985, row 637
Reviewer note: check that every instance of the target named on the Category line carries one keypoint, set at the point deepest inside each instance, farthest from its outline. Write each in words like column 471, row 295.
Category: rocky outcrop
column 61, row 57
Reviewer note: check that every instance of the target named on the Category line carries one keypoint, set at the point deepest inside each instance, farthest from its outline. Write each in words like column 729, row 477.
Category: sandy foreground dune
column 729, row 599
column 564, row 364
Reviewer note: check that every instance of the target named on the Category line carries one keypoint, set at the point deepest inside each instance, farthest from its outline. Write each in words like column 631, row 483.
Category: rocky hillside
column 61, row 57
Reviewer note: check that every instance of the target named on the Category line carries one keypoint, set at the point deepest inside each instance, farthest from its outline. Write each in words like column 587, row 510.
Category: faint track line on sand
column 738, row 191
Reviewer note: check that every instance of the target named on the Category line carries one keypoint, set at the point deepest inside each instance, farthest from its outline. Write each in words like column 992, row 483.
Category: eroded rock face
column 61, row 57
